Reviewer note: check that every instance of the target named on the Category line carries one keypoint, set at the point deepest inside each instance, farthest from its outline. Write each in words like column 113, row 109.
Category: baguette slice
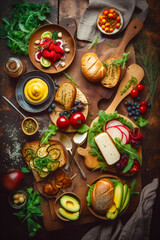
column 112, row 74
column 66, row 95
column 107, row 148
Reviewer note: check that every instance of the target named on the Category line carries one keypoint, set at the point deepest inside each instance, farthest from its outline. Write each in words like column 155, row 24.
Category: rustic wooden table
column 12, row 139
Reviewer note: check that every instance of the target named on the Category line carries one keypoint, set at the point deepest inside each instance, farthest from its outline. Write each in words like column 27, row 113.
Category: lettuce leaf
column 50, row 132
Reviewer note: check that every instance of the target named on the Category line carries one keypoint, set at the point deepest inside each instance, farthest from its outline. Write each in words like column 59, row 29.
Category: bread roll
column 112, row 74
column 92, row 68
column 102, row 195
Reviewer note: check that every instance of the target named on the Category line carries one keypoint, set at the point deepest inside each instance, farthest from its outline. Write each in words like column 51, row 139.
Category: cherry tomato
column 107, row 24
column 110, row 15
column 134, row 93
column 105, row 12
column 142, row 109
column 118, row 19
column 135, row 167
column 143, row 103
column 140, row 87
column 62, row 122
column 111, row 29
column 111, row 11
column 117, row 25
column 77, row 119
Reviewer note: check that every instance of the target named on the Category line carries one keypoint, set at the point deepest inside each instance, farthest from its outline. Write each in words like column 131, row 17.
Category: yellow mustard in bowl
column 36, row 90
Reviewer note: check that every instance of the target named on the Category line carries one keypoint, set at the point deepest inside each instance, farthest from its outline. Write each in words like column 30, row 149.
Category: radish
column 124, row 138
column 125, row 130
column 38, row 56
column 115, row 132
column 113, row 123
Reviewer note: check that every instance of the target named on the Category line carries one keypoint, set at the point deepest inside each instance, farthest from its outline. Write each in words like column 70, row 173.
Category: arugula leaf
column 88, row 197
column 70, row 78
column 132, row 153
column 84, row 128
column 141, row 122
column 94, row 42
column 25, row 170
column 122, row 61
column 50, row 132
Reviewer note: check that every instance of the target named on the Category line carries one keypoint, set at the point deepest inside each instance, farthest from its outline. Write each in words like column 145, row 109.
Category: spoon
column 68, row 145
column 25, row 118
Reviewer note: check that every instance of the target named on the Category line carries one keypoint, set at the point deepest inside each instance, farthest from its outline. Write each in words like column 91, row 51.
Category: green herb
column 133, row 81
column 84, row 128
column 110, row 44
column 94, row 42
column 101, row 165
column 106, row 65
column 123, row 60
column 55, row 35
column 31, row 212
column 97, row 128
column 47, row 135
column 115, row 181
column 141, row 122
column 70, row 78
column 148, row 59
column 88, row 197
column 25, row 19
column 132, row 153
column 44, row 162
column 25, row 170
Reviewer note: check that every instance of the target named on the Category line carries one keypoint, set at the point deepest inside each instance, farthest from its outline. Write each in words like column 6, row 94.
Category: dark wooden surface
column 12, row 139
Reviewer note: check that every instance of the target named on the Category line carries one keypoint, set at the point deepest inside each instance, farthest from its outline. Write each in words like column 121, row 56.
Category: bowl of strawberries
column 51, row 48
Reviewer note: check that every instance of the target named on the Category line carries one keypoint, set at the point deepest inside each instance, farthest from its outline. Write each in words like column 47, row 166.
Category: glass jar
column 14, row 67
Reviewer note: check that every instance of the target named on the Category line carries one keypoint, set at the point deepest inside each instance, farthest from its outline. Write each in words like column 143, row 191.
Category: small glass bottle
column 14, row 67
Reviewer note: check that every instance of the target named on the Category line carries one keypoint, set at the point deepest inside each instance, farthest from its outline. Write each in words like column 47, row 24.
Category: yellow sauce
column 36, row 90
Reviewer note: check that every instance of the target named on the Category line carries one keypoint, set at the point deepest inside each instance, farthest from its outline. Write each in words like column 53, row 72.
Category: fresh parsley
column 70, row 78
column 31, row 212
column 133, row 81
column 95, row 41
column 141, row 122
column 50, row 132
column 122, row 61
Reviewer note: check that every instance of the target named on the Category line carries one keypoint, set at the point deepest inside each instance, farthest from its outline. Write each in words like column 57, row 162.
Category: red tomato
column 144, row 103
column 135, row 167
column 140, row 87
column 134, row 93
column 62, row 122
column 77, row 119
column 12, row 179
column 142, row 109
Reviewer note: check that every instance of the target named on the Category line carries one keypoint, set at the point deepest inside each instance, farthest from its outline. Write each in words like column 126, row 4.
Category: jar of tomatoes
column 14, row 67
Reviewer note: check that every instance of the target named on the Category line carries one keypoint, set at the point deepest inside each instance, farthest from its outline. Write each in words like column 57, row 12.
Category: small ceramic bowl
column 108, row 25
column 103, row 216
column 16, row 199
column 29, row 126
column 58, row 205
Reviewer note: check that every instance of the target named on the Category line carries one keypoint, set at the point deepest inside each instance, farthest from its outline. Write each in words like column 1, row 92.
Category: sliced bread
column 112, row 76
column 107, row 148
column 66, row 95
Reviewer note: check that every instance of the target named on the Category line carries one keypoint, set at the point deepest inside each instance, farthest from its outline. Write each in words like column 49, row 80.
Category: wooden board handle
column 133, row 70
column 132, row 30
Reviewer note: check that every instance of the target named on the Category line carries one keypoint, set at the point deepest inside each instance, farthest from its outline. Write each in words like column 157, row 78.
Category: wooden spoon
column 133, row 70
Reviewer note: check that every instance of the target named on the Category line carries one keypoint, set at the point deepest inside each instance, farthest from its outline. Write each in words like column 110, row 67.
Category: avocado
column 118, row 195
column 125, row 190
column 126, row 200
column 113, row 208
column 68, row 215
column 69, row 203
column 112, row 215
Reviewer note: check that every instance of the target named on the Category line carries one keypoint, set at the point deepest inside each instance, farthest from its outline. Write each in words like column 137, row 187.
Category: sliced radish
column 59, row 43
column 115, row 132
column 124, row 138
column 38, row 56
column 125, row 130
column 113, row 123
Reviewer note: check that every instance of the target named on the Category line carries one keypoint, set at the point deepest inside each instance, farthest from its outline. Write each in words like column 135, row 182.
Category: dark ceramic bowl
column 11, row 199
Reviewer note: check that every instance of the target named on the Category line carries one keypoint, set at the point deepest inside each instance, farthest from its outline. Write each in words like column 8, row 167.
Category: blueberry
column 56, row 84
column 49, row 110
column 75, row 109
column 129, row 109
column 133, row 113
column 80, row 108
column 53, row 105
column 129, row 102
column 135, row 104
column 135, row 118
column 75, row 103
column 69, row 115
column 137, row 107
column 148, row 105
column 72, row 110
column 133, row 107
column 137, row 113
column 56, row 88
column 61, row 114
column 130, row 114
column 138, row 98
column 65, row 113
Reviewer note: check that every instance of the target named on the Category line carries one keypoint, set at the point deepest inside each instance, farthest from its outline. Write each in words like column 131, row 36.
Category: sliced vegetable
column 42, row 151
column 54, row 153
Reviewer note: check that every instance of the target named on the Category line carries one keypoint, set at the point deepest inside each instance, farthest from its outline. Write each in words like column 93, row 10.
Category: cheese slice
column 107, row 148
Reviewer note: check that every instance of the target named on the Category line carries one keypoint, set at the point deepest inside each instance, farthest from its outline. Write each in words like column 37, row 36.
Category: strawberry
column 59, row 56
column 45, row 53
column 59, row 50
column 52, row 54
column 51, row 46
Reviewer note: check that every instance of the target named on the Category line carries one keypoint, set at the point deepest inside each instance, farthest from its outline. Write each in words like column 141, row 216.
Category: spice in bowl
column 109, row 21
column 29, row 126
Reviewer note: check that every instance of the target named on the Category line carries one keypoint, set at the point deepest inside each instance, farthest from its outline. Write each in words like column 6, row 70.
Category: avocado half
column 69, row 203
column 69, row 215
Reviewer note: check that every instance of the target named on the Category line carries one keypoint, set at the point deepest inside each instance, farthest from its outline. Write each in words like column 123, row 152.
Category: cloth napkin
column 87, row 29
column 137, row 227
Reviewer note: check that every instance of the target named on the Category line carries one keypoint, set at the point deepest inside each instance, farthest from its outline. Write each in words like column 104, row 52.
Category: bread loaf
column 66, row 95
column 92, row 67
column 102, row 195
column 113, row 72
column 107, row 148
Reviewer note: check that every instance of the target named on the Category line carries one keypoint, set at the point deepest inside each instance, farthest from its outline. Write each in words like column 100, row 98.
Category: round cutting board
column 55, row 114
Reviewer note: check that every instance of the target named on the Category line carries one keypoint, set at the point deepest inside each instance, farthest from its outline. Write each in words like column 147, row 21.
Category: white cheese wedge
column 107, row 148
